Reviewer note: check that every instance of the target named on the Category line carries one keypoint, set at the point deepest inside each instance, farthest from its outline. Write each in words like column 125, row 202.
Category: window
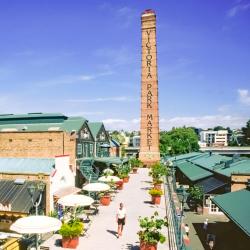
column 79, row 149
column 50, row 139
column 91, row 149
column 10, row 140
column 30, row 140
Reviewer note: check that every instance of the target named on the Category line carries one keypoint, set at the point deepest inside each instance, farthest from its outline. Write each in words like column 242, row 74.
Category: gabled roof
column 193, row 172
column 236, row 206
column 27, row 165
column 37, row 122
column 209, row 161
column 95, row 127
column 239, row 167
column 114, row 143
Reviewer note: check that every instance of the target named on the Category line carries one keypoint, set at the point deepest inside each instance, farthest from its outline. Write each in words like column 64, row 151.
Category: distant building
column 213, row 138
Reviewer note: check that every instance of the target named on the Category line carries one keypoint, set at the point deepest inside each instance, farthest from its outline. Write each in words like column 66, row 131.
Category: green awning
column 193, row 172
column 236, row 206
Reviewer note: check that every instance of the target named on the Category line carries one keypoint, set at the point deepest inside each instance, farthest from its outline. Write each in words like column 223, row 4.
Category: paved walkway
column 102, row 233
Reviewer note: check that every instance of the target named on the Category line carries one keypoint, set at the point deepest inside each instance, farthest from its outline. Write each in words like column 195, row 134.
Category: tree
column 178, row 141
column 246, row 134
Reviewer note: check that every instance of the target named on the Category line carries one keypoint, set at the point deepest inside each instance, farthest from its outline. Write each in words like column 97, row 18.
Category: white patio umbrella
column 108, row 171
column 96, row 187
column 38, row 224
column 76, row 200
column 109, row 178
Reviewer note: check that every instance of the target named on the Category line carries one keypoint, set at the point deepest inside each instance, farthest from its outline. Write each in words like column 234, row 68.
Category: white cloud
column 244, row 96
column 103, row 99
column 237, row 9
column 207, row 121
column 66, row 79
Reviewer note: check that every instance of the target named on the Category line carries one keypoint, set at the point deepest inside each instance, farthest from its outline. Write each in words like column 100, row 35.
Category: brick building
column 45, row 135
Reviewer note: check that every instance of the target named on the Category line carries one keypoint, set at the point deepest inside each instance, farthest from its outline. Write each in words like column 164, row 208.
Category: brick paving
column 101, row 235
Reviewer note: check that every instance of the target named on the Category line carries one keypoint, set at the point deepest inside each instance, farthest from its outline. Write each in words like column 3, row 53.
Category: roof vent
column 19, row 181
column 24, row 128
column 227, row 164
column 35, row 113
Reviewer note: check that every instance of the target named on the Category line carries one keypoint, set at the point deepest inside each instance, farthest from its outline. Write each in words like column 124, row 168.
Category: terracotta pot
column 68, row 242
column 156, row 199
column 157, row 186
column 135, row 170
column 147, row 246
column 105, row 200
column 126, row 179
column 119, row 185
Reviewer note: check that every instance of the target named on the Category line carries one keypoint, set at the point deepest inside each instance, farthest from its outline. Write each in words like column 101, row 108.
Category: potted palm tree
column 150, row 232
column 123, row 172
column 156, row 195
column 70, row 232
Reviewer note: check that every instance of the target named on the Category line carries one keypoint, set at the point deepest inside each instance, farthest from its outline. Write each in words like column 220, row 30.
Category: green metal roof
column 27, row 165
column 40, row 122
column 31, row 118
column 193, row 172
column 209, row 161
column 236, row 206
column 239, row 167
column 95, row 127
column 184, row 156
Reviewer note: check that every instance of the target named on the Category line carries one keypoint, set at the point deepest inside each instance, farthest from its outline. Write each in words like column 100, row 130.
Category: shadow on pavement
column 132, row 247
column 112, row 232
column 227, row 236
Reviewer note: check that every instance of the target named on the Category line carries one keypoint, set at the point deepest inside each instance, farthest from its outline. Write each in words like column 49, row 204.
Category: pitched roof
column 210, row 184
column 27, row 165
column 236, row 206
column 209, row 161
column 33, row 122
column 17, row 195
column 239, row 167
column 114, row 143
column 184, row 156
column 95, row 127
column 193, row 172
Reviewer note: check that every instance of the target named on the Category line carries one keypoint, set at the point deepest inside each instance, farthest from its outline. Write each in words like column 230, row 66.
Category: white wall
column 63, row 177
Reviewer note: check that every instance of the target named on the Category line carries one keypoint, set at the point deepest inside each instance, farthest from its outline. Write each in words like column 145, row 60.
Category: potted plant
column 123, row 172
column 119, row 185
column 157, row 172
column 70, row 232
column 196, row 194
column 156, row 195
column 135, row 164
column 150, row 232
column 105, row 198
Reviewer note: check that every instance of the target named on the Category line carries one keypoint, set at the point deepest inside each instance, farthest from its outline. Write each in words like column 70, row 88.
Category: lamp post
column 32, row 188
column 183, row 195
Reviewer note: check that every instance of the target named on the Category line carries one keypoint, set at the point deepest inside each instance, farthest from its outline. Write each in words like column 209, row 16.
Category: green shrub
column 157, row 171
column 71, row 229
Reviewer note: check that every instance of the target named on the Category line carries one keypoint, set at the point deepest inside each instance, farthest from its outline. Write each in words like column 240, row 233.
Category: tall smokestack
column 149, row 147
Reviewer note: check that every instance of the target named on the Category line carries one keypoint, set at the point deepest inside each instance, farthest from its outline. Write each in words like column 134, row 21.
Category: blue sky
column 83, row 58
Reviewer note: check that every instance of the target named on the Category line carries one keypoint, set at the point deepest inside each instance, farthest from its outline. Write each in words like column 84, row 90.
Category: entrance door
column 213, row 209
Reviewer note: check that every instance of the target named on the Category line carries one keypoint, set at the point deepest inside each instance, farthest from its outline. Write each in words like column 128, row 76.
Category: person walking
column 121, row 219
column 186, row 229
column 205, row 225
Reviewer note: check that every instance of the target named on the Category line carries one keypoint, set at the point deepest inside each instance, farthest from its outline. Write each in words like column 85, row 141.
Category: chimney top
column 148, row 11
